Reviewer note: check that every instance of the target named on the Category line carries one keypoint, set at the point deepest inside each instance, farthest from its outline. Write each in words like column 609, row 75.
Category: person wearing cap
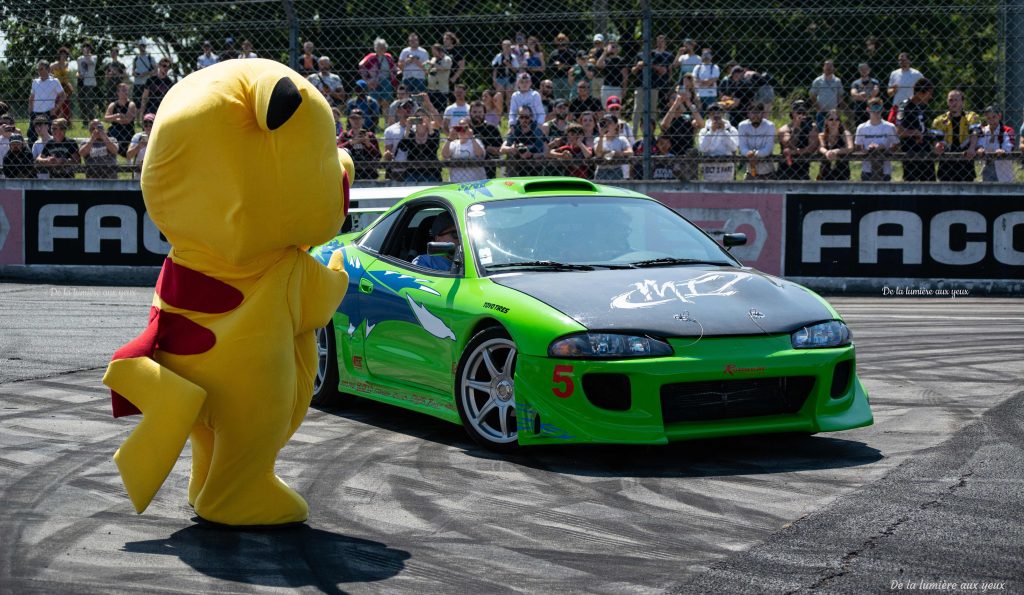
column 582, row 71
column 7, row 129
column 875, row 139
column 136, row 152
column 411, row 63
column 560, row 61
column 99, row 153
column 120, row 117
column 826, row 93
column 686, row 60
column 862, row 90
column 362, row 145
column 718, row 138
column 960, row 131
column 705, row 77
column 207, row 58
column 572, row 147
column 681, row 124
column 442, row 229
column 798, row 140
column 457, row 110
column 504, row 68
column 613, row 106
column 46, row 95
column 439, row 71
column 143, row 67
column 308, row 61
column 912, row 125
column 229, row 52
column 18, row 162
column 996, row 139
column 393, row 136
column 365, row 104
column 613, row 69
column 89, row 96
column 157, row 87
column 526, row 96
column 60, row 156
column 736, row 93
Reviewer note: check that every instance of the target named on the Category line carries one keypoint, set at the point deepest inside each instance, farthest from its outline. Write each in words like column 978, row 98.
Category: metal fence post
column 293, row 34
column 648, row 145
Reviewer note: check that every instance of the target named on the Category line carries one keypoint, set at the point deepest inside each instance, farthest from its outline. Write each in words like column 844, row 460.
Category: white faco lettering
column 909, row 241
column 814, row 240
column 939, row 246
column 48, row 230
column 126, row 231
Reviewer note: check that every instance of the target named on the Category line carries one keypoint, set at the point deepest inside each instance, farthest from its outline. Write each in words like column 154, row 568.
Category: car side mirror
column 441, row 248
column 734, row 239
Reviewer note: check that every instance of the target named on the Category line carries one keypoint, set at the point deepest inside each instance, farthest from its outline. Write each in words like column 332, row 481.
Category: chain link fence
column 706, row 66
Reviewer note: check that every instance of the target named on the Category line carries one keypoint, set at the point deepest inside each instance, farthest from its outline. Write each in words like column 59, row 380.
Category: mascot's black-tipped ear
column 276, row 107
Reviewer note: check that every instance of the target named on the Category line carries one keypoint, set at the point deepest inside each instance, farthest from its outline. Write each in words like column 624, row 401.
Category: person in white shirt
column 610, row 145
column 718, row 138
column 89, row 96
column 247, row 52
column 207, row 58
column 756, row 141
column 996, row 139
column 328, row 83
column 901, row 80
column 463, row 146
column 46, row 96
column 687, row 59
column 706, row 77
column 411, row 62
column 527, row 96
column 877, row 138
column 457, row 110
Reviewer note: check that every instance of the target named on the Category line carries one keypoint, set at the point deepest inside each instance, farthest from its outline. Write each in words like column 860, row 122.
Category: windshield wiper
column 669, row 261
column 542, row 264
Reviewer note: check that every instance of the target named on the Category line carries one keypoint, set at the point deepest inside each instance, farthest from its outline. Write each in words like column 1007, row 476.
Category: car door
column 408, row 337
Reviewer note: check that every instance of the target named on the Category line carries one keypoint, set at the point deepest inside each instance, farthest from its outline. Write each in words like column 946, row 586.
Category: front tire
column 325, row 383
column 485, row 390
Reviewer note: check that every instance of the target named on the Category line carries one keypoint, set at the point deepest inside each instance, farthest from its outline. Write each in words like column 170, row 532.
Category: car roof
column 463, row 195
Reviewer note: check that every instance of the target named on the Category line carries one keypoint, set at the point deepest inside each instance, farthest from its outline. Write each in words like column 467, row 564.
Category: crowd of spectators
column 409, row 116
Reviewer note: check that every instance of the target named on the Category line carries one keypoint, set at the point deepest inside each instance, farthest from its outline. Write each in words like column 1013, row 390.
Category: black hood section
column 681, row 301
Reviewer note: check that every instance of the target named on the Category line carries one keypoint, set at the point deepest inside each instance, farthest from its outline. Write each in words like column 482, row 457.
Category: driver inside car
column 443, row 229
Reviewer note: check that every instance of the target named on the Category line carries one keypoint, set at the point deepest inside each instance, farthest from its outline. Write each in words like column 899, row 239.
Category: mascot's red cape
column 241, row 175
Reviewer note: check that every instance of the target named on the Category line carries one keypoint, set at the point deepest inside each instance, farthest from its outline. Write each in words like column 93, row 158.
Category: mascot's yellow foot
column 169, row 405
column 264, row 501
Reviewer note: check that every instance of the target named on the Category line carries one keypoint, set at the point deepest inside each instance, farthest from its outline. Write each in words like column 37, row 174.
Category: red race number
column 563, row 376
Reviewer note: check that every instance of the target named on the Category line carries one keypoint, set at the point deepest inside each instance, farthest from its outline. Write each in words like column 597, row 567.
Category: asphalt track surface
column 930, row 496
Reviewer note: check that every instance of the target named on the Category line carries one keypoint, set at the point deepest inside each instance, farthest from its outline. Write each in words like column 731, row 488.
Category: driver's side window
column 415, row 232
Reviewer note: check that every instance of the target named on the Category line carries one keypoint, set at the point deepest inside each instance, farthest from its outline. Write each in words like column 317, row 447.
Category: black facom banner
column 902, row 236
column 88, row 227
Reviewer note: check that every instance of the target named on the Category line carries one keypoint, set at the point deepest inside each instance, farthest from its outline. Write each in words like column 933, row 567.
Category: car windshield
column 582, row 233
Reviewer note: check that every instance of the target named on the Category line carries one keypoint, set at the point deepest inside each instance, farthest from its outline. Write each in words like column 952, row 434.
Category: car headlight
column 608, row 345
column 824, row 334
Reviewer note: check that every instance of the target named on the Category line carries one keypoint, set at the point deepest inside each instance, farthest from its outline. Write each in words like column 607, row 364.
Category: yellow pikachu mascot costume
column 242, row 175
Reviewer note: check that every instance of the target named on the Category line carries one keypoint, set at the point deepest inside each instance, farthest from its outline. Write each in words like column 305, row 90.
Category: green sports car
column 556, row 311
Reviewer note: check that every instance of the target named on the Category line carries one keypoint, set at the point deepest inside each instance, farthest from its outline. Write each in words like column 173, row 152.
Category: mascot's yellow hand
column 337, row 262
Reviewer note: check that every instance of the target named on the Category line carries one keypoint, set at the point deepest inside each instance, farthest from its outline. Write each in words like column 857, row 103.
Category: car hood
column 680, row 301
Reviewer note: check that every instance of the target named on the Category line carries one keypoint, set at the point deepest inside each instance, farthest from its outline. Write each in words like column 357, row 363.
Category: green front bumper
column 554, row 408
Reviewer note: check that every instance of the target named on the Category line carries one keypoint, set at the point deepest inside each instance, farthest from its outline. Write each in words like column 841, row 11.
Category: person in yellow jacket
column 960, row 131
column 241, row 175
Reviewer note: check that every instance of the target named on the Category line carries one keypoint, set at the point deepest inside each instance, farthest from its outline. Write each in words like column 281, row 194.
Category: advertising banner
column 90, row 228
column 905, row 236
